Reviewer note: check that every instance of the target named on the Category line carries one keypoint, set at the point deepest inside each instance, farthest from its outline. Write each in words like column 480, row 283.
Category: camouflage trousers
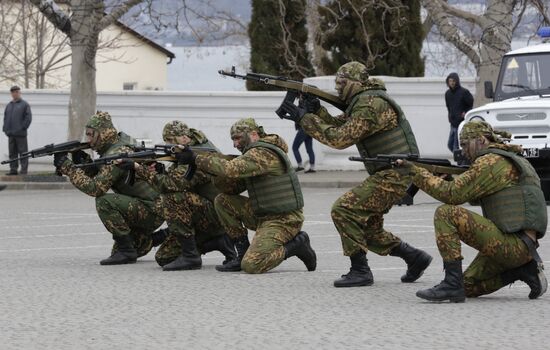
column 272, row 232
column 187, row 214
column 359, row 214
column 498, row 251
column 124, row 215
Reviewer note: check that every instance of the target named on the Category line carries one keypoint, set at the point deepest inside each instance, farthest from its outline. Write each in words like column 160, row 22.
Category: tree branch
column 450, row 31
column 465, row 15
column 54, row 14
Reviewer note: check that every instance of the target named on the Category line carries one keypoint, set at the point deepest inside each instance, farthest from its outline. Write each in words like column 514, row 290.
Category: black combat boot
column 417, row 261
column 451, row 288
column 300, row 247
column 532, row 274
column 125, row 253
column 159, row 236
column 241, row 244
column 223, row 244
column 189, row 259
column 359, row 274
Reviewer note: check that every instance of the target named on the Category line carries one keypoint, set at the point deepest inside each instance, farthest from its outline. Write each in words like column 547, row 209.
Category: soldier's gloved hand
column 59, row 159
column 292, row 112
column 403, row 167
column 160, row 168
column 310, row 103
column 80, row 157
column 126, row 164
column 185, row 157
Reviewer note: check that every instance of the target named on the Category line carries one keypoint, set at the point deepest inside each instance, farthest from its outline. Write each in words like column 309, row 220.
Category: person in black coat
column 459, row 100
column 17, row 119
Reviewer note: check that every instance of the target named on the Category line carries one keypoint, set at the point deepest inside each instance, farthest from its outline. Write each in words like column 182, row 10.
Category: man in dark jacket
column 459, row 101
column 17, row 119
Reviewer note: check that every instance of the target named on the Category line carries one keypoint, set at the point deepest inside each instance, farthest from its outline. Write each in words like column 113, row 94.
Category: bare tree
column 490, row 40
column 315, row 35
column 83, row 22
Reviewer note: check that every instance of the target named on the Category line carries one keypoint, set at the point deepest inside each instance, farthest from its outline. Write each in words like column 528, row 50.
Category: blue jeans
column 452, row 144
column 300, row 138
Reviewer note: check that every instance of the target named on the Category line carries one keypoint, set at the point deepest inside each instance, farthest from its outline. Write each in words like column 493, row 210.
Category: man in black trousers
column 17, row 119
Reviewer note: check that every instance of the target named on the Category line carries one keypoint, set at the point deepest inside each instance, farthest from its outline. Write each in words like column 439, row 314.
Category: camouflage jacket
column 369, row 115
column 108, row 177
column 487, row 175
column 255, row 162
column 173, row 180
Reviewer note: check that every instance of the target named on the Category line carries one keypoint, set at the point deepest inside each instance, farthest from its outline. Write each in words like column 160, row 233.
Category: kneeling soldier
column 514, row 218
column 187, row 207
column 129, row 212
column 273, row 208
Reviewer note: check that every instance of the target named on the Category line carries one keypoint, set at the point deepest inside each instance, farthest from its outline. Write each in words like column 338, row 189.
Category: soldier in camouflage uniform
column 376, row 125
column 514, row 218
column 128, row 213
column 187, row 206
column 273, row 208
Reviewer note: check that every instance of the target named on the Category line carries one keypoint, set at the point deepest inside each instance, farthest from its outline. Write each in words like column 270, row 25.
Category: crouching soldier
column 273, row 208
column 506, row 236
column 187, row 206
column 128, row 213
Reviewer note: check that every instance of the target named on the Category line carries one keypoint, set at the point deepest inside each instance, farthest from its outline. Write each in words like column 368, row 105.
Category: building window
column 129, row 86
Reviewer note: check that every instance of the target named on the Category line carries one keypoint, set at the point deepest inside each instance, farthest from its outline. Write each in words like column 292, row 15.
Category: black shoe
column 300, row 247
column 119, row 258
column 241, row 244
column 125, row 253
column 451, row 288
column 159, row 236
column 359, row 274
column 417, row 261
column 298, row 168
column 309, row 171
column 223, row 244
column 3, row 187
column 11, row 172
column 532, row 274
column 189, row 259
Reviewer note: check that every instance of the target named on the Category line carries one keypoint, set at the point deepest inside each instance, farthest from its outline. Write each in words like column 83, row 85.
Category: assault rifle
column 157, row 153
column 434, row 165
column 48, row 150
column 294, row 88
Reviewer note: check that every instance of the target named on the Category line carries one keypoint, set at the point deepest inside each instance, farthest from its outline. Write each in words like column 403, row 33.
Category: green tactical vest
column 397, row 140
column 207, row 190
column 274, row 194
column 520, row 207
column 140, row 189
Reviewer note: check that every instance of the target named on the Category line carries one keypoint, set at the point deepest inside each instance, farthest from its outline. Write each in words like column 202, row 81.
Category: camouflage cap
column 246, row 125
column 476, row 128
column 100, row 120
column 353, row 71
column 175, row 128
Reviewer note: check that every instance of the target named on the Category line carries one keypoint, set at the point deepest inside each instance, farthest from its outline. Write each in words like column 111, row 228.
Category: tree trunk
column 314, row 35
column 82, row 102
column 84, row 42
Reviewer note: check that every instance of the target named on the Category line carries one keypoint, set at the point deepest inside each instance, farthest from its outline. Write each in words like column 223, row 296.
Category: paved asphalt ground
column 55, row 295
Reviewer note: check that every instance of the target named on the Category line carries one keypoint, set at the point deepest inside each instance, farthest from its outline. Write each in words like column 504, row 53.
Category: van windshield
column 523, row 75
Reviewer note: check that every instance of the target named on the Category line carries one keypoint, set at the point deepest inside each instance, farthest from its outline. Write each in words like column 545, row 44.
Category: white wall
column 143, row 115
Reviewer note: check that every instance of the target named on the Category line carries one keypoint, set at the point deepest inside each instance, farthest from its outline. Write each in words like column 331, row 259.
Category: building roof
column 148, row 41
column 531, row 49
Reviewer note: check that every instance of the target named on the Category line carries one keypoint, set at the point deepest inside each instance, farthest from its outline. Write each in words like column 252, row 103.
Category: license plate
column 530, row 152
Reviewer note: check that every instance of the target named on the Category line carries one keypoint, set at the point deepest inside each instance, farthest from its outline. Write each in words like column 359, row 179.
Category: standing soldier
column 376, row 125
column 506, row 236
column 187, row 207
column 129, row 212
column 273, row 208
